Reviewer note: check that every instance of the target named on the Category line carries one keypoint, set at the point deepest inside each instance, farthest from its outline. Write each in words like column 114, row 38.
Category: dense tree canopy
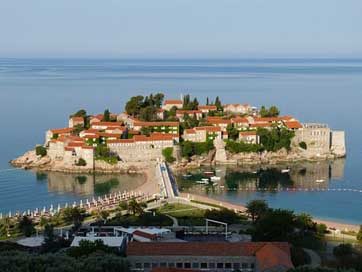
column 273, row 111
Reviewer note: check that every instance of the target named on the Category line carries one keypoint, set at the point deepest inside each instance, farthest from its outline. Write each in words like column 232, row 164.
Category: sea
column 39, row 94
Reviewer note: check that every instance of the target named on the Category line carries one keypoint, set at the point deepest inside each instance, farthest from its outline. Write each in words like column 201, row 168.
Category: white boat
column 320, row 180
column 187, row 176
column 205, row 179
column 285, row 170
column 215, row 178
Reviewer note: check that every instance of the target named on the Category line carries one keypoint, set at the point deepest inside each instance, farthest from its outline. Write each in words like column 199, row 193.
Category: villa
column 76, row 121
column 206, row 109
column 238, row 108
column 169, row 104
column 190, row 113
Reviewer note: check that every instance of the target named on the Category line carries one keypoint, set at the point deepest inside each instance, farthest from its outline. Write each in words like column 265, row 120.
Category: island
column 183, row 133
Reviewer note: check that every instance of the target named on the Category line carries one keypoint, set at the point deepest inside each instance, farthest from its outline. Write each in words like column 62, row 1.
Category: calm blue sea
column 38, row 94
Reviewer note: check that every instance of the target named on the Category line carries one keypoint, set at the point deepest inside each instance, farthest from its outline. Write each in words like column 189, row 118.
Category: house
column 105, row 125
column 76, row 121
column 129, row 121
column 249, row 137
column 55, row 133
column 218, row 121
column 292, row 125
column 238, row 108
column 206, row 109
column 210, row 256
column 168, row 104
column 190, row 113
column 110, row 241
column 201, row 134
column 161, row 114
column 240, row 123
column 165, row 127
column 96, row 118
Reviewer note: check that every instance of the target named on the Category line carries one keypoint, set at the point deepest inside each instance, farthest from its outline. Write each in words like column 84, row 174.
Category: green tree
column 168, row 154
column 123, row 205
column 73, row 215
column 80, row 113
column 304, row 221
column 256, row 208
column 26, row 226
column 343, row 250
column 273, row 111
column 232, row 132
column 135, row 207
column 133, row 106
column 187, row 149
column 40, row 150
column 275, row 225
column 303, row 145
column 218, row 104
column 146, row 131
column 106, row 116
column 81, row 162
column 148, row 113
column 359, row 234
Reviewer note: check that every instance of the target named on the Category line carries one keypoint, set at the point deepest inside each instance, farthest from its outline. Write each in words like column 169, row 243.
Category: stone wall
column 338, row 146
column 136, row 152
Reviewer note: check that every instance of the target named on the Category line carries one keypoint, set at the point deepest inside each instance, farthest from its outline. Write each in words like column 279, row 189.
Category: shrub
column 303, row 145
column 81, row 162
column 189, row 149
column 167, row 154
column 40, row 150
column 239, row 147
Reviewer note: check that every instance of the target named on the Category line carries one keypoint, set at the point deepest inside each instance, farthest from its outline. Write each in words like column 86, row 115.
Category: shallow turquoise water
column 36, row 95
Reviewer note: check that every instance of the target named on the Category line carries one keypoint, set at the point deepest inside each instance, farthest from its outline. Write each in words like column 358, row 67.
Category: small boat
column 215, row 178
column 205, row 179
column 187, row 176
column 209, row 173
column 320, row 180
column 287, row 170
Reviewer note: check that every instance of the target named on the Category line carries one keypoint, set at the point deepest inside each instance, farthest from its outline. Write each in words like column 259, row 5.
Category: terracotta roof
column 78, row 119
column 91, row 136
column 200, row 248
column 190, row 131
column 267, row 119
column 68, row 149
column 219, row 121
column 99, row 117
column 133, row 132
column 111, row 135
column 239, row 120
column 91, row 130
column 292, row 124
column 122, row 128
column 87, row 147
column 209, row 128
column 155, row 124
column 75, row 144
column 143, row 138
column 237, row 105
column 207, row 107
column 261, row 125
column 61, row 130
column 271, row 256
column 173, row 102
column 144, row 234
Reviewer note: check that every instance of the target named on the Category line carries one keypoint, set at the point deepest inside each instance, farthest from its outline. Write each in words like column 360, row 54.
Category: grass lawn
column 181, row 210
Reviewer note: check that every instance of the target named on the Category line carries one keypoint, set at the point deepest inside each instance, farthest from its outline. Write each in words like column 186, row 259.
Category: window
column 252, row 265
column 138, row 265
column 220, row 265
column 228, row 265
column 163, row 264
column 179, row 265
column 154, row 265
column 236, row 265
column 187, row 265
column 195, row 265
column 171, row 264
column 146, row 265
column 203, row 265
column 244, row 265
column 211, row 265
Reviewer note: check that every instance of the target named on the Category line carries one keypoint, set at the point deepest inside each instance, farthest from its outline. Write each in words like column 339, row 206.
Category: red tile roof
column 120, row 141
column 109, row 135
column 247, row 133
column 271, row 256
column 144, row 234
column 239, row 119
column 292, row 124
column 200, row 248
column 173, row 102
column 209, row 128
column 190, row 131
column 107, row 124
column 61, row 130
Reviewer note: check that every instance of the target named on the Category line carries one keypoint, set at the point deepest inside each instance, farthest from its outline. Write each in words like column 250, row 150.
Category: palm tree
column 256, row 208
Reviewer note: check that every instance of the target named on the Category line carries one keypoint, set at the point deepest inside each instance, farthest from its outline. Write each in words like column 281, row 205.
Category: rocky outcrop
column 31, row 161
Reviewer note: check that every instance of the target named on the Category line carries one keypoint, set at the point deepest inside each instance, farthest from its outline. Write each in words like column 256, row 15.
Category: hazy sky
column 180, row 28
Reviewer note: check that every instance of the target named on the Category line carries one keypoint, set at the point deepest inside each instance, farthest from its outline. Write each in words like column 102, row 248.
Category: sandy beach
column 330, row 224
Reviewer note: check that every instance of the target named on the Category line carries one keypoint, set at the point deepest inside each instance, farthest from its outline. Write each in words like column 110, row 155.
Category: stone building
column 164, row 127
column 210, row 256
column 141, row 148
column 55, row 133
column 238, row 108
column 206, row 109
column 76, row 121
column 201, row 134
column 190, row 113
column 249, row 137
column 169, row 104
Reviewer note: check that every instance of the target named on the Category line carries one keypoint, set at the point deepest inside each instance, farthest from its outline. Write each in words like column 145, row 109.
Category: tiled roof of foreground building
column 268, row 254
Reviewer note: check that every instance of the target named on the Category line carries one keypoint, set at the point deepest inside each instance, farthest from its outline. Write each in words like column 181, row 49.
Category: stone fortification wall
column 316, row 136
column 140, row 151
column 338, row 145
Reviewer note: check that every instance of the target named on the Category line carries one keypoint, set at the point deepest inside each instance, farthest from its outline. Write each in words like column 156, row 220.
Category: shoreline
column 338, row 225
